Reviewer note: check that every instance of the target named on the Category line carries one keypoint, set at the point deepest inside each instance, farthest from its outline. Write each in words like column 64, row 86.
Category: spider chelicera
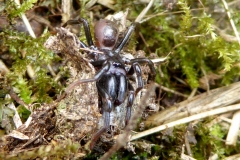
column 112, row 77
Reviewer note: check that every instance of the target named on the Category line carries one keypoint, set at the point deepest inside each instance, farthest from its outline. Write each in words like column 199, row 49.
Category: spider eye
column 106, row 34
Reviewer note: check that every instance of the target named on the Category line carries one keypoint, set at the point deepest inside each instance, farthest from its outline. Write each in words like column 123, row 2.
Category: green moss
column 29, row 52
column 191, row 38
column 15, row 11
column 194, row 44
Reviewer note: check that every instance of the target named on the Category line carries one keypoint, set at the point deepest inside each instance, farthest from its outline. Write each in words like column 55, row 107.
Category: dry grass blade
column 26, row 22
column 231, row 21
column 234, row 157
column 144, row 12
column 217, row 98
column 233, row 131
column 186, row 120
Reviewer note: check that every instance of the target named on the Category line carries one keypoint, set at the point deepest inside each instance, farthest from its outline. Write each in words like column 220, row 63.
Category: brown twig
column 172, row 91
column 17, row 99
column 144, row 41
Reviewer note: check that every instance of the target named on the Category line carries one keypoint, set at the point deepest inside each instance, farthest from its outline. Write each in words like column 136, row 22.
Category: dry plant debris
column 201, row 39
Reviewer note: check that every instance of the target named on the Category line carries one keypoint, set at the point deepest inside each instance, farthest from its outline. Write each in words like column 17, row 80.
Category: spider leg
column 122, row 89
column 88, row 36
column 136, row 68
column 107, row 107
column 152, row 74
column 85, row 26
column 97, row 135
column 129, row 103
column 125, row 39
column 104, row 69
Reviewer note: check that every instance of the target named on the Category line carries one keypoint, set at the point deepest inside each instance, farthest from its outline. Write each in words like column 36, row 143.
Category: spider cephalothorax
column 112, row 74
column 105, row 34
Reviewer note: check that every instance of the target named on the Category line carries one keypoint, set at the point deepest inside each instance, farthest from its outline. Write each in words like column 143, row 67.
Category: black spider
column 112, row 77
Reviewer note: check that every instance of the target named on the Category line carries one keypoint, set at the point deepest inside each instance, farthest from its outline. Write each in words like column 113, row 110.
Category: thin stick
column 231, row 21
column 172, row 91
column 26, row 22
column 144, row 12
column 233, row 131
column 186, row 120
column 206, row 79
column 144, row 41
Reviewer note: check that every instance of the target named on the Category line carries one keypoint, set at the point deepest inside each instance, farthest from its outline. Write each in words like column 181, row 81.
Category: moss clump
column 29, row 55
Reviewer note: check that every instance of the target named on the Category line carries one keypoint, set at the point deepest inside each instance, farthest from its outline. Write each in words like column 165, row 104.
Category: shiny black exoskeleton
column 112, row 74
